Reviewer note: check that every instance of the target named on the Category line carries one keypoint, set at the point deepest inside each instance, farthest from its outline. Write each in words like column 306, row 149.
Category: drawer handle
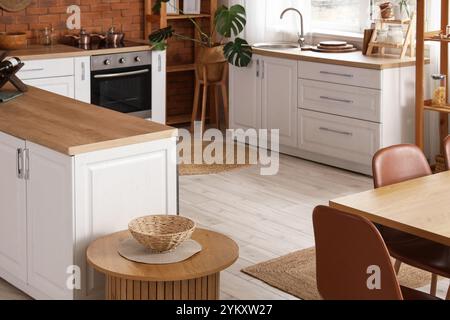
column 335, row 99
column 337, row 74
column 32, row 70
column 336, row 131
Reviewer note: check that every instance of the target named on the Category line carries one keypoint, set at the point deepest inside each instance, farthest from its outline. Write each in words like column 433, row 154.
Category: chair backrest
column 447, row 152
column 350, row 254
column 399, row 163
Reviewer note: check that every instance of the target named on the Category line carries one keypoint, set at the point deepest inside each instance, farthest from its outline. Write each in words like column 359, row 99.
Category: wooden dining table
column 420, row 207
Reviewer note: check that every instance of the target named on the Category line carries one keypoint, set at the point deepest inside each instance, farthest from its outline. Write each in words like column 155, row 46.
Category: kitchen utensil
column 112, row 37
column 83, row 38
column 161, row 233
column 13, row 40
column 336, row 48
column 333, row 43
column 317, row 49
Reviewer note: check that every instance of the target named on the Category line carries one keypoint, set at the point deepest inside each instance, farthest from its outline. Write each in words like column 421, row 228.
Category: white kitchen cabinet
column 13, row 224
column 63, row 86
column 159, row 86
column 59, row 204
column 82, row 79
column 279, row 98
column 245, row 95
column 264, row 96
column 69, row 77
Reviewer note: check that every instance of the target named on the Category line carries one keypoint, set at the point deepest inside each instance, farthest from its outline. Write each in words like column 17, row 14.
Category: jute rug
column 295, row 274
column 190, row 169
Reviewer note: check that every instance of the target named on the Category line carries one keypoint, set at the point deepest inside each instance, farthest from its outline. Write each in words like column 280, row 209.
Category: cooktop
column 98, row 45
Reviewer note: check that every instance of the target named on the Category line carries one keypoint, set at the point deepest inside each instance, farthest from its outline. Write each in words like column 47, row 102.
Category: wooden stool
column 203, row 81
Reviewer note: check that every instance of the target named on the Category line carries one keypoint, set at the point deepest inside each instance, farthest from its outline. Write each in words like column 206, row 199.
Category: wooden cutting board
column 14, row 5
column 316, row 49
column 333, row 43
column 337, row 48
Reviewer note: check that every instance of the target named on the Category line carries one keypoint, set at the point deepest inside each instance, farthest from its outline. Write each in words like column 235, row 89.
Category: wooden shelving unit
column 180, row 56
column 422, row 105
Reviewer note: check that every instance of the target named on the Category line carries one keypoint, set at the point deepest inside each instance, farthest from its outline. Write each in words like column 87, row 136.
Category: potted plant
column 401, row 10
column 228, row 23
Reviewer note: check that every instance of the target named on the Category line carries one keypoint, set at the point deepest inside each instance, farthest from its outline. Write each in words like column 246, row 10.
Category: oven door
column 126, row 90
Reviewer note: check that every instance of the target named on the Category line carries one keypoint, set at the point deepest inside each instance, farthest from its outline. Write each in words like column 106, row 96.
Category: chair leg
column 397, row 266
column 216, row 105
column 434, row 281
column 195, row 108
column 204, row 102
column 225, row 104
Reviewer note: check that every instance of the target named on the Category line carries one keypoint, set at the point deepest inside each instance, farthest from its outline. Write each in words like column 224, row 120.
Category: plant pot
column 214, row 61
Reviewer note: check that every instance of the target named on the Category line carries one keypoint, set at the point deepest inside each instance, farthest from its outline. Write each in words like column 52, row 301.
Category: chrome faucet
column 301, row 36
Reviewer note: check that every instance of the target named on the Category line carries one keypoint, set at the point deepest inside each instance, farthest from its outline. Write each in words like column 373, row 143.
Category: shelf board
column 387, row 45
column 438, row 39
column 181, row 68
column 178, row 119
column 393, row 21
column 187, row 16
column 443, row 109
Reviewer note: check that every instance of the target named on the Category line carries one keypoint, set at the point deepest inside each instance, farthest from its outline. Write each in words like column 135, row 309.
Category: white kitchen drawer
column 340, row 74
column 338, row 137
column 348, row 101
column 35, row 69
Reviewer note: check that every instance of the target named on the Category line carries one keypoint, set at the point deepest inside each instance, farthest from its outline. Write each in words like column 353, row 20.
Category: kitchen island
column 72, row 172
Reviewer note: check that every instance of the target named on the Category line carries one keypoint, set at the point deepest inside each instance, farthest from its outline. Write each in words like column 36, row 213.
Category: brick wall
column 96, row 16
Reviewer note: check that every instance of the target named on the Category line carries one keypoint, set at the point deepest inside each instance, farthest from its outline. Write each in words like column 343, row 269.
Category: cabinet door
column 159, row 86
column 13, row 233
column 115, row 186
column 50, row 221
column 279, row 98
column 60, row 85
column 245, row 95
column 83, row 79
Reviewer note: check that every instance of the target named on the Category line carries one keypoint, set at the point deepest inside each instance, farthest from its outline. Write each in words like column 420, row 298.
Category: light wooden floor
column 267, row 216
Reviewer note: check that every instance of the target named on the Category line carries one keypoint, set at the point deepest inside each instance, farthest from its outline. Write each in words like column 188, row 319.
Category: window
column 340, row 15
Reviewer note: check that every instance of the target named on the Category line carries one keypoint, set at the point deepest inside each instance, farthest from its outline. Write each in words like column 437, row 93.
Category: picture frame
column 173, row 7
column 191, row 6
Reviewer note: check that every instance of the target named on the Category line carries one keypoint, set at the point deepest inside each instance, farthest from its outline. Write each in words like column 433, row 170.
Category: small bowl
column 161, row 233
column 13, row 40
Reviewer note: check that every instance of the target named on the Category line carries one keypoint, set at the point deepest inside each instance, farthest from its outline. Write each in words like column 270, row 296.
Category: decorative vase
column 213, row 60
column 400, row 13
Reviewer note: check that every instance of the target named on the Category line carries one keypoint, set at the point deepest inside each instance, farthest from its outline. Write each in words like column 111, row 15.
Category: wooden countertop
column 352, row 59
column 72, row 127
column 37, row 52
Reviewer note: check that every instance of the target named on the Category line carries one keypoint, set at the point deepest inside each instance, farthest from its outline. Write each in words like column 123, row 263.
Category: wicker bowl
column 161, row 233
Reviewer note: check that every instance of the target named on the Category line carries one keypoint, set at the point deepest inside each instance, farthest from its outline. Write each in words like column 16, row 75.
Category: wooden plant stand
column 408, row 41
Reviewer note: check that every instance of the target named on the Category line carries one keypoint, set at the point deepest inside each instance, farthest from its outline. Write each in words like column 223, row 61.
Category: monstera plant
column 228, row 23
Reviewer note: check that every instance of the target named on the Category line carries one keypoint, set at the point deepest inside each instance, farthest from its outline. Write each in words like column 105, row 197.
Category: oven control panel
column 121, row 60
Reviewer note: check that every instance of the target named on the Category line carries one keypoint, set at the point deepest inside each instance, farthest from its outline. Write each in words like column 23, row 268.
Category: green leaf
column 161, row 35
column 159, row 46
column 230, row 21
column 238, row 52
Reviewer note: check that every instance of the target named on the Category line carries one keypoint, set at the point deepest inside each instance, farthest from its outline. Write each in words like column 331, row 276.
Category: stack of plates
column 334, row 47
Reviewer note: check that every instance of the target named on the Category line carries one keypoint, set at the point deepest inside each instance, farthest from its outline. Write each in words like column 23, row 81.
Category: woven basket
column 161, row 233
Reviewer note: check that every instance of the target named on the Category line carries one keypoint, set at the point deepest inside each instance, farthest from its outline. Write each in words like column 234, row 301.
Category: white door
column 159, row 86
column 279, row 98
column 13, row 232
column 83, row 79
column 245, row 95
column 60, row 85
column 50, row 221
column 116, row 185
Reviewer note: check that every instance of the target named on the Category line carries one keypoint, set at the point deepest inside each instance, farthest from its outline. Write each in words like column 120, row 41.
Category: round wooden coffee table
column 197, row 278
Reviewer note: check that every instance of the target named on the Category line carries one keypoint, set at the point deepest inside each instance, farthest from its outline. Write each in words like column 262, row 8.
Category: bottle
column 439, row 90
column 8, row 65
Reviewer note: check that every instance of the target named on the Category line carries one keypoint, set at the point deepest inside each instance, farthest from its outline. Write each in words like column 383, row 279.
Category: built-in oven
column 122, row 82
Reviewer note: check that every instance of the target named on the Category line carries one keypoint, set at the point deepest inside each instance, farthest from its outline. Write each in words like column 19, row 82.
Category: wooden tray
column 316, row 49
column 337, row 48
column 333, row 43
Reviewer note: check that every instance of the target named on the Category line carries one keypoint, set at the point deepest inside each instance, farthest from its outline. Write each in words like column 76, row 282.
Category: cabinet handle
column 263, row 69
column 257, row 68
column 347, row 75
column 32, row 70
column 159, row 63
column 83, row 71
column 336, row 131
column 20, row 163
column 26, row 174
column 335, row 99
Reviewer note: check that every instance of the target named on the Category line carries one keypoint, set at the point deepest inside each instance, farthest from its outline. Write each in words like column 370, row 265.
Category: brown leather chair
column 346, row 247
column 447, row 152
column 397, row 164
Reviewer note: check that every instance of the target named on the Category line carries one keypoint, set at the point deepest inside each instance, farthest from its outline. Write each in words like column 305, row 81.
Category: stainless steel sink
column 277, row 45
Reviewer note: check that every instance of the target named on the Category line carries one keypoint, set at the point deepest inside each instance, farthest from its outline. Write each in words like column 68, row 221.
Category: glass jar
column 395, row 34
column 46, row 36
column 439, row 85
column 382, row 35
